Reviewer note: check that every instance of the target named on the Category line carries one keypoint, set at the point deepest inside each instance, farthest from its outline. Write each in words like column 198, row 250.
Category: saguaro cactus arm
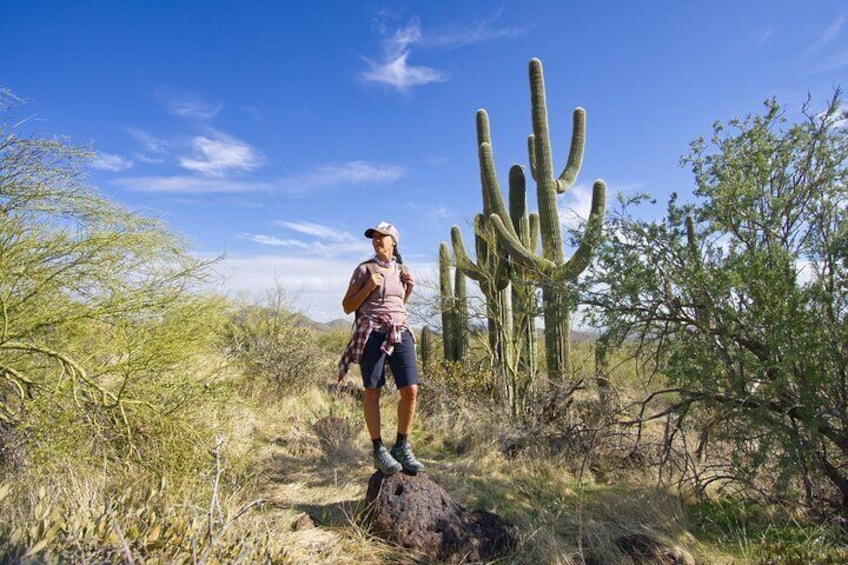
column 492, row 187
column 463, row 261
column 575, row 154
column 517, row 251
column 594, row 231
column 534, row 232
column 500, row 218
column 540, row 153
column 518, row 204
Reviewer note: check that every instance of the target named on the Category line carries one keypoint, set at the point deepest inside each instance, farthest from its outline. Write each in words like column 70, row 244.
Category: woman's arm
column 354, row 297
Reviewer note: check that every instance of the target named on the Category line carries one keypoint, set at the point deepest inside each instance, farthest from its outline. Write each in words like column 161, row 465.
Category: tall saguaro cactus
column 551, row 270
column 491, row 272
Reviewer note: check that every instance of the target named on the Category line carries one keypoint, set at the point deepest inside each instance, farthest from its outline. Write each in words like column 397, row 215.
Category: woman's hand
column 376, row 280
column 407, row 279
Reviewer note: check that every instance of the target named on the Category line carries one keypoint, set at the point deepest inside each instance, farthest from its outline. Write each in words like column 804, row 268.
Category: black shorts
column 402, row 361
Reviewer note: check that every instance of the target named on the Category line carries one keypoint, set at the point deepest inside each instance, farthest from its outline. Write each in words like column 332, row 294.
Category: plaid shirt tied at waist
column 364, row 326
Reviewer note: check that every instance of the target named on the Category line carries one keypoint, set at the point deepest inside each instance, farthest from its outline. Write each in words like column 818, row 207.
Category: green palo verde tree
column 99, row 313
column 555, row 274
column 740, row 300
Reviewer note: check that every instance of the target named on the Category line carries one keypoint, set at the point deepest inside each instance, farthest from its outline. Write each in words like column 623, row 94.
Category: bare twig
column 125, row 548
column 215, row 505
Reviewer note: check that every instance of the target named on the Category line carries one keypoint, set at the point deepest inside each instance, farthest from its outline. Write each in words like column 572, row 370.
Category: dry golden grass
column 307, row 453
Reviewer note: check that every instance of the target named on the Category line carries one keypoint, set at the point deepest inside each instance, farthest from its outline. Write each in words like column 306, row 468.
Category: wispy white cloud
column 187, row 184
column 149, row 159
column 397, row 73
column 109, row 162
column 320, row 231
column 325, row 241
column 831, row 32
column 316, row 286
column 429, row 211
column 351, row 173
column 187, row 104
column 320, row 178
column 149, row 142
column 273, row 241
column 471, row 33
column 220, row 154
column 393, row 69
column 838, row 61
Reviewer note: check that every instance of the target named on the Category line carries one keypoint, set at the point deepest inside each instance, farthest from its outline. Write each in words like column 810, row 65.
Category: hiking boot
column 384, row 462
column 405, row 457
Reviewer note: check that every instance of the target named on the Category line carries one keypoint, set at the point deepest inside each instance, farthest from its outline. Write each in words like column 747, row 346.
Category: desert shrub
column 276, row 352
column 738, row 298
column 103, row 316
column 452, row 381
column 338, row 431
column 333, row 341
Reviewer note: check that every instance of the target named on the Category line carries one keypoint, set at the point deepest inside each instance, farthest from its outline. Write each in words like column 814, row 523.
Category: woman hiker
column 378, row 292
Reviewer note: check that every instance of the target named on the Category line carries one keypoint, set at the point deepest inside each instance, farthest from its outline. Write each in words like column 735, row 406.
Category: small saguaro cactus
column 460, row 307
column 447, row 304
column 454, row 307
column 551, row 270
column 426, row 349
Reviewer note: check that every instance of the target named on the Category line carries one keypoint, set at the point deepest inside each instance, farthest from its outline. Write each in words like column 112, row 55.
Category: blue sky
column 274, row 133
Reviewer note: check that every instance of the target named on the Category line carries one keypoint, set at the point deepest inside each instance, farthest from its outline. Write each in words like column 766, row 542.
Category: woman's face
column 383, row 244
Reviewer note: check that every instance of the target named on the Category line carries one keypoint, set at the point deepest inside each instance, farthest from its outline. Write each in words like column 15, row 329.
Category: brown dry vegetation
column 257, row 457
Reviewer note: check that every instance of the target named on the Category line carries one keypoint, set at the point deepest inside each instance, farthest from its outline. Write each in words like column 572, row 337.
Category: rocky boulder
column 415, row 512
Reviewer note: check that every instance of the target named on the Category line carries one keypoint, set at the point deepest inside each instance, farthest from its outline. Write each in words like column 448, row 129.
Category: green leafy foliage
column 743, row 306
column 101, row 310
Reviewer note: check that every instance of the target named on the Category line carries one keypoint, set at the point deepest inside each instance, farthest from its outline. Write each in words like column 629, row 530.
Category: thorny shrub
column 272, row 346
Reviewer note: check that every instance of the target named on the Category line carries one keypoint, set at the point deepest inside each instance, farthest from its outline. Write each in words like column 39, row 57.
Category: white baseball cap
column 384, row 228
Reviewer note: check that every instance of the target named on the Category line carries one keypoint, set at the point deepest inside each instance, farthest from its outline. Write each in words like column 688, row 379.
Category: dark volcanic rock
column 415, row 512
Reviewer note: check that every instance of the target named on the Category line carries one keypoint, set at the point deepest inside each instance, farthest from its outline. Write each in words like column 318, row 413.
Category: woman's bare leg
column 406, row 408
column 371, row 407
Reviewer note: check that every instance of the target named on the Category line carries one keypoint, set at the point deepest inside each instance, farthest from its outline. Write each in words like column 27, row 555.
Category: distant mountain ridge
column 304, row 321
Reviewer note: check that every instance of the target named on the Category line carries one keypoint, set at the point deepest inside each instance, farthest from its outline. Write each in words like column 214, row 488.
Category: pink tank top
column 387, row 299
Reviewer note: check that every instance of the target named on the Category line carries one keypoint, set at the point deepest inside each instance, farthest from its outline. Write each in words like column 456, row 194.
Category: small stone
column 303, row 522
